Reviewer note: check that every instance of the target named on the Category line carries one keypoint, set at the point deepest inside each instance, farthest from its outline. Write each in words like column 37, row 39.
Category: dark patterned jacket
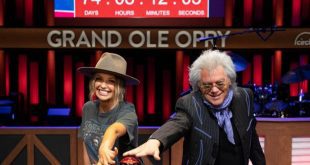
column 197, row 124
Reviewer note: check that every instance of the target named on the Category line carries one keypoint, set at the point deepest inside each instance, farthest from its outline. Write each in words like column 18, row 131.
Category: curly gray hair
column 209, row 60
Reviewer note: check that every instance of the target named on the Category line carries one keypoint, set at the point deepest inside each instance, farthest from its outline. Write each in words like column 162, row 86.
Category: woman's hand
column 107, row 156
column 106, row 151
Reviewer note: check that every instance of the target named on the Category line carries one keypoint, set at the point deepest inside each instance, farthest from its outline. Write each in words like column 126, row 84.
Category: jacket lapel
column 238, row 108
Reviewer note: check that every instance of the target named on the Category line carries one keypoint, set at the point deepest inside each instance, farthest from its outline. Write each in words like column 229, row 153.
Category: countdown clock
column 135, row 8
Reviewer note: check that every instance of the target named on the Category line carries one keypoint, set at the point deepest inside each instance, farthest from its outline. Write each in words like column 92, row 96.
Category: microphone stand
column 250, row 30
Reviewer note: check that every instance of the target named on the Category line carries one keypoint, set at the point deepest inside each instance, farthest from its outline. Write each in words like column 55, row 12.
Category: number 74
column 97, row 1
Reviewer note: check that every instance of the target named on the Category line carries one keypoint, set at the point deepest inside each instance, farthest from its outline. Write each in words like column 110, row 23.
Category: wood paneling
column 278, row 136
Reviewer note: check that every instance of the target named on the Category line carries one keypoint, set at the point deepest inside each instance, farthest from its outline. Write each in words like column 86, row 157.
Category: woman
column 109, row 124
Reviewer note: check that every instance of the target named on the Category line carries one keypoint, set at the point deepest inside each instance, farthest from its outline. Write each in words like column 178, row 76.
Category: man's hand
column 151, row 148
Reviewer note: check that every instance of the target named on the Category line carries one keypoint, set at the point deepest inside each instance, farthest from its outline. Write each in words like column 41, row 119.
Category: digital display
column 137, row 8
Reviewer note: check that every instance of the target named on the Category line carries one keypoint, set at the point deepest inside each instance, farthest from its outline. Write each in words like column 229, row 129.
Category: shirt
column 95, row 123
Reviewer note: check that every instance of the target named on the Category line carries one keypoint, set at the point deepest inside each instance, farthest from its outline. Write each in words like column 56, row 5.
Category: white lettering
column 136, row 34
column 196, row 35
column 68, row 36
column 148, row 40
column 57, row 42
column 124, row 13
column 95, row 38
column 187, row 38
column 302, row 39
column 91, row 12
column 301, row 43
column 158, row 12
column 210, row 34
column 113, row 34
column 83, row 40
column 163, row 38
column 223, row 39
column 191, row 12
column 141, row 38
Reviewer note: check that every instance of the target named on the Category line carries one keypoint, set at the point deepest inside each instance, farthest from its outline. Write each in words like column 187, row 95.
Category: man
column 216, row 118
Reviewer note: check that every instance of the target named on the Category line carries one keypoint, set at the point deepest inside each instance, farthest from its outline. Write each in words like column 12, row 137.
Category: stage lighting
column 60, row 116
column 63, row 111
column 7, row 111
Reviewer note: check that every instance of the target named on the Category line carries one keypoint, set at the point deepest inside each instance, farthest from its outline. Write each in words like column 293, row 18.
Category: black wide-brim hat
column 110, row 63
